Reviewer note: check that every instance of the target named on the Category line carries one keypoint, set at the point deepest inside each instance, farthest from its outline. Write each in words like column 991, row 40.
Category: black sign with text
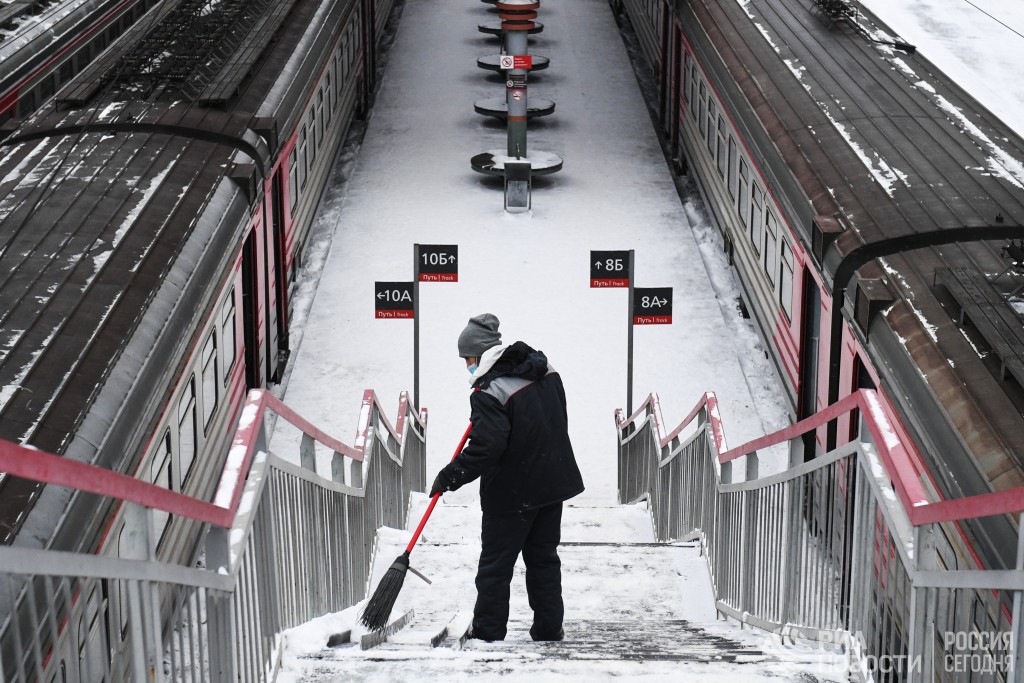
column 609, row 269
column 393, row 300
column 652, row 306
column 438, row 263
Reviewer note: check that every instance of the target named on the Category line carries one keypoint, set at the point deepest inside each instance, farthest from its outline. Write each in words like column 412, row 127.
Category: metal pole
column 416, row 327
column 1014, row 675
column 516, row 44
column 629, row 342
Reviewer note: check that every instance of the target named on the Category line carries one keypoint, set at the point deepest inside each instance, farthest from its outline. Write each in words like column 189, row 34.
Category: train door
column 250, row 316
column 677, row 90
column 277, row 282
column 810, row 334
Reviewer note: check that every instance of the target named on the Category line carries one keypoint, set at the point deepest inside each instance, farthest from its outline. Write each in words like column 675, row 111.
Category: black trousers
column 536, row 534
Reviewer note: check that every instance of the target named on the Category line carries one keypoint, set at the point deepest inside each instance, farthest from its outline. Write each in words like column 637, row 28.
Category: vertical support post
column 137, row 545
column 416, row 328
column 221, row 624
column 629, row 340
column 917, row 637
column 307, row 453
column 516, row 96
column 1015, row 675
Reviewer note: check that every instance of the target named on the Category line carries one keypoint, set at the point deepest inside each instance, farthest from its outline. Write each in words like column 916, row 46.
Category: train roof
column 906, row 175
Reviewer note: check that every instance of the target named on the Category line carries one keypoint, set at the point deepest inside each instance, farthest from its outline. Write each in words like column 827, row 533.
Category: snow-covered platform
column 411, row 184
column 634, row 609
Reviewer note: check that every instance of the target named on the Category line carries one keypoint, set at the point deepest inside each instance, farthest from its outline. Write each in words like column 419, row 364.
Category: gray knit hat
column 480, row 334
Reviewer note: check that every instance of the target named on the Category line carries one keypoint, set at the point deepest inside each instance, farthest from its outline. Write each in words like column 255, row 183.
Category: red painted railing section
column 899, row 463
column 29, row 463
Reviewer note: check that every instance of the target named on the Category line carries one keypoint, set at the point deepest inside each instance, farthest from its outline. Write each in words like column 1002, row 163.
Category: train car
column 153, row 216
column 45, row 43
column 873, row 210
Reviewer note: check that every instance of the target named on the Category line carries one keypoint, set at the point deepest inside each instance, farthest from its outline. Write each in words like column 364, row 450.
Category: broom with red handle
column 378, row 608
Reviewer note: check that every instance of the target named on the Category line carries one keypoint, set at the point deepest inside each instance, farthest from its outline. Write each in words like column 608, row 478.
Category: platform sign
column 516, row 61
column 652, row 306
column 438, row 263
column 516, row 82
column 394, row 300
column 609, row 268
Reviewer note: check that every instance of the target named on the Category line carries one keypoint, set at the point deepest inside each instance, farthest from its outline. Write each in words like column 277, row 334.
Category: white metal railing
column 283, row 545
column 845, row 548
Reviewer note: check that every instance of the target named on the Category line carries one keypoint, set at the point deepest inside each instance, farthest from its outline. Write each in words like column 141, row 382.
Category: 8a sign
column 393, row 300
column 652, row 306
column 438, row 263
column 609, row 269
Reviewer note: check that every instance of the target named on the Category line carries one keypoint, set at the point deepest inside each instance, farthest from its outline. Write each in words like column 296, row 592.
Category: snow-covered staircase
column 634, row 608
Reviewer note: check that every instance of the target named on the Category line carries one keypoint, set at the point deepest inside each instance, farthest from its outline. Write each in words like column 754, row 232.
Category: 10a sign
column 609, row 269
column 437, row 263
column 394, row 300
column 652, row 306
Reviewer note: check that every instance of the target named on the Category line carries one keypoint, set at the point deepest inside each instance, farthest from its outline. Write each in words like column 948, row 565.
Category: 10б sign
column 652, row 306
column 438, row 263
column 393, row 300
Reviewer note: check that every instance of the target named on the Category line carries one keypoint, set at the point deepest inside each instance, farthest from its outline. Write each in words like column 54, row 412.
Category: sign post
column 431, row 263
column 615, row 269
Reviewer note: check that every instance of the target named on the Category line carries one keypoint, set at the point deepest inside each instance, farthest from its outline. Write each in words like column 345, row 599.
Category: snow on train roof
column 74, row 228
column 30, row 26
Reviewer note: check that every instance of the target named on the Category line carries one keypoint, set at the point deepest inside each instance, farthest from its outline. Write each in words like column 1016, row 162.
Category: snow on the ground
column 606, row 580
column 411, row 183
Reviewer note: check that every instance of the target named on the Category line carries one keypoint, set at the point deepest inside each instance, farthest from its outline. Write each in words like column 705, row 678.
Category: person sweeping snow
column 519, row 448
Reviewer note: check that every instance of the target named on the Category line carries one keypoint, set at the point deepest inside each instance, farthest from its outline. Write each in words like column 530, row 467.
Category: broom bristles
column 378, row 607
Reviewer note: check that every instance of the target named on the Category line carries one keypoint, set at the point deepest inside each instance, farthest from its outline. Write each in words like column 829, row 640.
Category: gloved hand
column 442, row 483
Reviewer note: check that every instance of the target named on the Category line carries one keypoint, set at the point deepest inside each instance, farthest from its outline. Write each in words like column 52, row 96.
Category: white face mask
column 472, row 368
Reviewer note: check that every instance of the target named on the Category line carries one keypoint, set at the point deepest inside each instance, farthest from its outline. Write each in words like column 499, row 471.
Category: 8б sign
column 393, row 300
column 652, row 306
column 609, row 268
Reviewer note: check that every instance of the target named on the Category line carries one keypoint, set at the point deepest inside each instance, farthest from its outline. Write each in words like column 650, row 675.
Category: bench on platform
column 989, row 312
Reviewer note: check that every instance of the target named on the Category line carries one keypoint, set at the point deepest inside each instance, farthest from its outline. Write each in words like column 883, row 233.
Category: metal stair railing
column 283, row 545
column 845, row 549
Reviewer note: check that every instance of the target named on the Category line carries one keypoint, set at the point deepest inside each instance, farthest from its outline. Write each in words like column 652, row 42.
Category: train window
column 313, row 138
column 743, row 201
column 712, row 117
column 320, row 123
column 770, row 239
column 187, row 430
column 160, row 473
column 66, row 71
column 693, row 87
column 329, row 88
column 756, row 218
column 720, row 152
column 786, row 280
column 227, row 335
column 209, row 381
column 731, row 181
column 702, row 104
column 122, row 590
column 302, row 157
column 293, row 179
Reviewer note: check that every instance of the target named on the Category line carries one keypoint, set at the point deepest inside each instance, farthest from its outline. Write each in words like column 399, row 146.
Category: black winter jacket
column 519, row 444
